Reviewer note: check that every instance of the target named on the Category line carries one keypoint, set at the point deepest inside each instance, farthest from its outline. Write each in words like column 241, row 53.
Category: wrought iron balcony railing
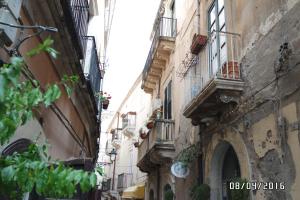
column 77, row 17
column 161, row 135
column 92, row 67
column 225, row 66
column 166, row 28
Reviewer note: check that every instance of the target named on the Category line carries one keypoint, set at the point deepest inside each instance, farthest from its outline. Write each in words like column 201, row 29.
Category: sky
column 128, row 48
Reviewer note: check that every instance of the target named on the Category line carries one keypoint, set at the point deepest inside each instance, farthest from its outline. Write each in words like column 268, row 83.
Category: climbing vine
column 32, row 169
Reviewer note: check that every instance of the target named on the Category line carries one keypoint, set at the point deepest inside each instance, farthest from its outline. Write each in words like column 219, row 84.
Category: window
column 217, row 47
column 128, row 119
column 120, row 181
column 172, row 9
column 168, row 101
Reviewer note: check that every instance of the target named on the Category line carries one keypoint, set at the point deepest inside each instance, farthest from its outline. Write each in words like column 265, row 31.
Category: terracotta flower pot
column 198, row 42
column 105, row 104
column 150, row 124
column 231, row 70
column 136, row 144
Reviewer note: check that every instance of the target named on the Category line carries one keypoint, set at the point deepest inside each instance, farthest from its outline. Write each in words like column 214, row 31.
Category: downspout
column 158, row 184
column 198, row 16
column 201, row 163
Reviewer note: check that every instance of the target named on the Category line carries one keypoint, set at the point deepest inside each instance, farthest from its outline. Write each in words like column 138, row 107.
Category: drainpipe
column 158, row 184
column 201, row 158
column 198, row 16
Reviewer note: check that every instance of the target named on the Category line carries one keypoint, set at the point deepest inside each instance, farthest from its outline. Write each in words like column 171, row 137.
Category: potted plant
column 198, row 42
column 143, row 132
column 231, row 70
column 189, row 154
column 104, row 98
column 136, row 144
column 150, row 124
column 200, row 192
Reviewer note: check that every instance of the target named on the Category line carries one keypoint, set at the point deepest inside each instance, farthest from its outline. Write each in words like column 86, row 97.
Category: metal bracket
column 226, row 98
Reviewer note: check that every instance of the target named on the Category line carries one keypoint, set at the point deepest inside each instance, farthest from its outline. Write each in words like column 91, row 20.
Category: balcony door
column 217, row 44
column 168, row 101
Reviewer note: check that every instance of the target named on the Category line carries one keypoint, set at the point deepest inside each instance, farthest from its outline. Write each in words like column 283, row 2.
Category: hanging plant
column 104, row 99
column 150, row 124
column 143, row 132
column 189, row 154
column 200, row 192
column 136, row 144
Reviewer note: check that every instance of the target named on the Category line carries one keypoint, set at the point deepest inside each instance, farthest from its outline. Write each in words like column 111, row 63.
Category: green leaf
column 2, row 86
column 7, row 173
column 68, row 90
column 93, row 180
column 52, row 94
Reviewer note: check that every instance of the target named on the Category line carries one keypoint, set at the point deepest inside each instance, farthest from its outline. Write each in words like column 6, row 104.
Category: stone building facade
column 226, row 73
column 123, row 179
column 71, row 126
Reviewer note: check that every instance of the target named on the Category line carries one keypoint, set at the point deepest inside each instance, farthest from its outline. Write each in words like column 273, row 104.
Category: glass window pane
column 222, row 39
column 212, row 15
column 220, row 4
column 223, row 55
column 221, row 19
column 213, row 28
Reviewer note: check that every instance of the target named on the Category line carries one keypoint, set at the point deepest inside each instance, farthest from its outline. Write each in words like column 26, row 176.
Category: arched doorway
column 230, row 171
column 224, row 168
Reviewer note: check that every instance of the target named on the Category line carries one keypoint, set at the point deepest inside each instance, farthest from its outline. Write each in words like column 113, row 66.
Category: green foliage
column 200, row 192
column 100, row 170
column 24, row 172
column 189, row 154
column 69, row 83
column 168, row 195
column 44, row 47
column 31, row 170
column 242, row 193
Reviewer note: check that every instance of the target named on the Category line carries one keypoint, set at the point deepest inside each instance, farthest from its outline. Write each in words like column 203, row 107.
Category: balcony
column 162, row 45
column 124, row 181
column 216, row 93
column 116, row 143
column 158, row 147
column 129, row 124
column 92, row 68
column 77, row 15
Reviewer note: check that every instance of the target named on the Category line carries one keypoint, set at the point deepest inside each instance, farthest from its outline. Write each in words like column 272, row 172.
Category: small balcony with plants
column 128, row 123
column 116, row 139
column 92, row 70
column 163, row 44
column 157, row 146
column 217, row 93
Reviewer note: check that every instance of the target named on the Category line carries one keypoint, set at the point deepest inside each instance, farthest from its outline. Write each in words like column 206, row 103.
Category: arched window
column 19, row 146
column 168, row 193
